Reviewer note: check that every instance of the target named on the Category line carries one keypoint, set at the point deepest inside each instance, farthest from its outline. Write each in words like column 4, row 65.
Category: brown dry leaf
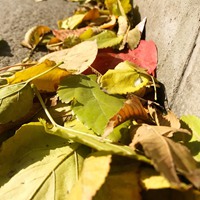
column 76, row 59
column 47, row 82
column 132, row 108
column 63, row 34
column 167, row 156
column 169, row 119
column 92, row 14
column 34, row 35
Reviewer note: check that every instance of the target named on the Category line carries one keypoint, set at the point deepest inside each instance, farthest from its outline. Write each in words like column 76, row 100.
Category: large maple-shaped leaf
column 167, row 155
column 15, row 102
column 91, row 105
column 35, row 164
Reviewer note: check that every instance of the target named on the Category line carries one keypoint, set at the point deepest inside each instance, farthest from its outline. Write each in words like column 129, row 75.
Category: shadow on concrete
column 5, row 49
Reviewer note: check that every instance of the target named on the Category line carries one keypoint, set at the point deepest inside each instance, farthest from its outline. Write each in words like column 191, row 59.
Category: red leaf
column 145, row 56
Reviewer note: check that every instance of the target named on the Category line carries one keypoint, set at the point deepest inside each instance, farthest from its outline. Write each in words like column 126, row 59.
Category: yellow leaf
column 47, row 82
column 34, row 35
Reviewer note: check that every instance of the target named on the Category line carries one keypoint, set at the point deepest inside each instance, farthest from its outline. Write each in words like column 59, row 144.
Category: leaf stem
column 44, row 106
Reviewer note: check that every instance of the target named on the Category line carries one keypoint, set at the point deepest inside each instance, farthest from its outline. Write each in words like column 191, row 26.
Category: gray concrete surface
column 175, row 28
column 173, row 25
column 17, row 16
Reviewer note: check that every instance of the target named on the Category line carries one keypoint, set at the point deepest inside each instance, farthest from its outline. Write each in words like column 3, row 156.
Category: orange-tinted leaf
column 109, row 24
column 91, row 14
column 132, row 108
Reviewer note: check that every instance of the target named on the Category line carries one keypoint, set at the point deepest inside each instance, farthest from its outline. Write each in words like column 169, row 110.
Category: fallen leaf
column 107, row 39
column 91, row 105
column 45, row 76
column 125, row 78
column 76, row 59
column 15, row 102
column 167, row 156
column 37, row 164
column 34, row 36
column 93, row 175
column 193, row 123
column 133, row 109
column 121, row 183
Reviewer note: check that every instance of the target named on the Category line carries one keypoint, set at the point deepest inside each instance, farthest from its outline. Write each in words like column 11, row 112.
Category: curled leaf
column 34, row 35
column 167, row 156
column 132, row 108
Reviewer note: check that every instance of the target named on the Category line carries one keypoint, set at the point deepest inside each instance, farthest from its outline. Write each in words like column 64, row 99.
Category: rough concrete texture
column 17, row 16
column 175, row 28
column 173, row 25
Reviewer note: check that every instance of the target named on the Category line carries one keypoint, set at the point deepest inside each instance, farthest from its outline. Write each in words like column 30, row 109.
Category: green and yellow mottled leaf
column 15, row 102
column 125, row 78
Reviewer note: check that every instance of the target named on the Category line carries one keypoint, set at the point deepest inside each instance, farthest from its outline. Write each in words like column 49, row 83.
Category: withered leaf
column 132, row 108
column 167, row 156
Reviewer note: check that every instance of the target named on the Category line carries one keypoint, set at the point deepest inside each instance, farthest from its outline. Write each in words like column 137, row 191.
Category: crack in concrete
column 185, row 69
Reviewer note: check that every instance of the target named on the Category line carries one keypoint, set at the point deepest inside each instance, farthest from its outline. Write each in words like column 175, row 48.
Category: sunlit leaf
column 47, row 82
column 76, row 59
column 91, row 105
column 37, row 164
column 93, row 175
column 109, row 24
column 125, row 78
column 71, row 22
column 15, row 102
column 193, row 122
column 118, row 7
column 107, row 39
column 34, row 35
column 92, row 141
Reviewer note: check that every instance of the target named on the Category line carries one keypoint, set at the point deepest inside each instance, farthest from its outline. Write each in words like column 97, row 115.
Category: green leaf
column 35, row 164
column 193, row 122
column 93, row 175
column 92, row 141
column 125, row 78
column 107, row 39
column 15, row 102
column 92, row 106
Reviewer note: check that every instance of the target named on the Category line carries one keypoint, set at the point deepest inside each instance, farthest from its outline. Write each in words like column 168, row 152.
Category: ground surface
column 173, row 25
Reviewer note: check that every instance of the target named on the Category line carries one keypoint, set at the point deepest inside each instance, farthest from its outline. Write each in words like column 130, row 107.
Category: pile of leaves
column 90, row 118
